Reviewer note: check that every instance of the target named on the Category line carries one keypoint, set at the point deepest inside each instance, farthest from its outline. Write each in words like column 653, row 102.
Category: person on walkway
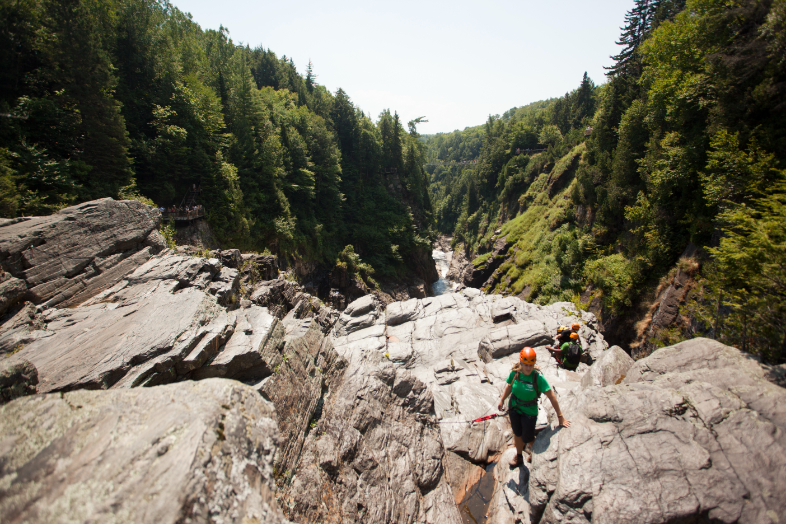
column 526, row 384
column 569, row 353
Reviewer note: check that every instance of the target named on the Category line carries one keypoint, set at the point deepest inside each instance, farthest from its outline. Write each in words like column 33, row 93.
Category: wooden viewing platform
column 188, row 203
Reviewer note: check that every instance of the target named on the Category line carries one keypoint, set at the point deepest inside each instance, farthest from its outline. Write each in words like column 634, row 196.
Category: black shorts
column 523, row 425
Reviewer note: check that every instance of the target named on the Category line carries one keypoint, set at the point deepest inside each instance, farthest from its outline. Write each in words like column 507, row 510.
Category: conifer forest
column 673, row 163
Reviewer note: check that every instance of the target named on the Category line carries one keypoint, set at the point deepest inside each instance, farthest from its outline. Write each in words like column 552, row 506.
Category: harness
column 515, row 402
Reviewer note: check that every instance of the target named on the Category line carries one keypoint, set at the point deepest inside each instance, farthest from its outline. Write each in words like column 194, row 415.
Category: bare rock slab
column 191, row 452
column 98, row 345
column 62, row 255
column 695, row 432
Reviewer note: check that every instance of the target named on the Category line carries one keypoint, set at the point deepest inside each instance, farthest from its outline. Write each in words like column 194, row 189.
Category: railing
column 183, row 215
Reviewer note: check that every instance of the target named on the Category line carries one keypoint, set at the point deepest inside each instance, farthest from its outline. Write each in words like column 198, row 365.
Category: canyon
column 145, row 384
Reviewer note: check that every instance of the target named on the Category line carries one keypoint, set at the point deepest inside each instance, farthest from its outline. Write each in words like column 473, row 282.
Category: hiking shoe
column 517, row 461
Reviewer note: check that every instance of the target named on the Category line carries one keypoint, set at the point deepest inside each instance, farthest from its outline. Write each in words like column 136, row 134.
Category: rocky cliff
column 358, row 416
column 694, row 432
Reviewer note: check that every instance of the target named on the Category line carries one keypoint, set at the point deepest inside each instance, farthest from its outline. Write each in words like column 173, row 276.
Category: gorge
column 230, row 294
column 352, row 416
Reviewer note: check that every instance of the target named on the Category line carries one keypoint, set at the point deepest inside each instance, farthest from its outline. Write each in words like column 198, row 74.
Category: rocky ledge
column 354, row 416
column 694, row 432
column 192, row 452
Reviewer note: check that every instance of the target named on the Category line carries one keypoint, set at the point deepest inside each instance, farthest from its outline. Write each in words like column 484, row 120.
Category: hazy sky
column 454, row 62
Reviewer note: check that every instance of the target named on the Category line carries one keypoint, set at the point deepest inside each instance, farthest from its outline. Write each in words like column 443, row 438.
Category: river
column 442, row 260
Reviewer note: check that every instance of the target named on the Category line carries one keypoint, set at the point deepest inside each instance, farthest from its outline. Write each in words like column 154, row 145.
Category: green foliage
column 742, row 299
column 550, row 135
column 616, row 276
column 132, row 99
column 9, row 197
column 481, row 259
column 350, row 261
column 734, row 176
column 168, row 232
column 131, row 192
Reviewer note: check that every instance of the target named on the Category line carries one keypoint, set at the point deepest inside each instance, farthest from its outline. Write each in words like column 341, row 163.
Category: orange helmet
column 575, row 327
column 574, row 336
column 528, row 356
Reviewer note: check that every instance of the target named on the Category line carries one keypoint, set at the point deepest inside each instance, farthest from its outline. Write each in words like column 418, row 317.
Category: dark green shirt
column 563, row 356
column 523, row 390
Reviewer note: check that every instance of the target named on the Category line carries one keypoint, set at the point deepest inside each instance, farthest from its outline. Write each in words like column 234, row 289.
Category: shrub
column 616, row 276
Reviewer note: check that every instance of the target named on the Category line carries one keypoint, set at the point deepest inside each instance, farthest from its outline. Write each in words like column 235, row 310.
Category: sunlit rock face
column 693, row 432
column 417, row 371
column 191, row 452
column 356, row 416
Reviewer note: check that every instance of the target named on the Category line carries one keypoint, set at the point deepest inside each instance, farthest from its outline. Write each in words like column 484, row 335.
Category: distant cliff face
column 358, row 416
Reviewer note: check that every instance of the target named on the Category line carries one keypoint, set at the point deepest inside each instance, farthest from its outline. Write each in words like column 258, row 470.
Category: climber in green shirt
column 526, row 384
column 569, row 354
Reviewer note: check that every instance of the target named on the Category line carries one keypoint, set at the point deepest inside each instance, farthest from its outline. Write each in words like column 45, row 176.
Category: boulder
column 231, row 258
column 139, row 334
column 243, row 356
column 197, row 451
column 512, row 339
column 694, row 432
column 400, row 312
column 265, row 265
column 79, row 248
column 609, row 369
column 224, row 286
column 360, row 314
column 11, row 291
column 361, row 306
column 159, row 322
column 17, row 379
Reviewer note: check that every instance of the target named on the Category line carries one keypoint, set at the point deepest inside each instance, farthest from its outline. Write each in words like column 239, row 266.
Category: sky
column 455, row 62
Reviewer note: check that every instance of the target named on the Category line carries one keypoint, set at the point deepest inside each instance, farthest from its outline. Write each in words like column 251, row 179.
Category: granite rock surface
column 191, row 452
column 694, row 432
column 80, row 250
column 392, row 442
column 358, row 416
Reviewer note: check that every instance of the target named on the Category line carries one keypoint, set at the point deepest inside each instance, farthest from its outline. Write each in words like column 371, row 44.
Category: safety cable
column 481, row 419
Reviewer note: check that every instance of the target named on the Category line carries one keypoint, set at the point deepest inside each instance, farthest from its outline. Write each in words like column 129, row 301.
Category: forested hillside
column 131, row 98
column 687, row 148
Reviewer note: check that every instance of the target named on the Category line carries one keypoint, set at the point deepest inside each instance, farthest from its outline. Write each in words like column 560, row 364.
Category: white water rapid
column 442, row 261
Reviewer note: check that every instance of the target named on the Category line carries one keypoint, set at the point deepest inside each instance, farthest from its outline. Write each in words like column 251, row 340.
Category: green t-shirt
column 564, row 348
column 523, row 390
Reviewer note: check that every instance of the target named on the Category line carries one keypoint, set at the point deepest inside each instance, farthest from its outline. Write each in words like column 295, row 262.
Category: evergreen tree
column 84, row 70
column 310, row 77
column 638, row 22
column 584, row 102
column 344, row 121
